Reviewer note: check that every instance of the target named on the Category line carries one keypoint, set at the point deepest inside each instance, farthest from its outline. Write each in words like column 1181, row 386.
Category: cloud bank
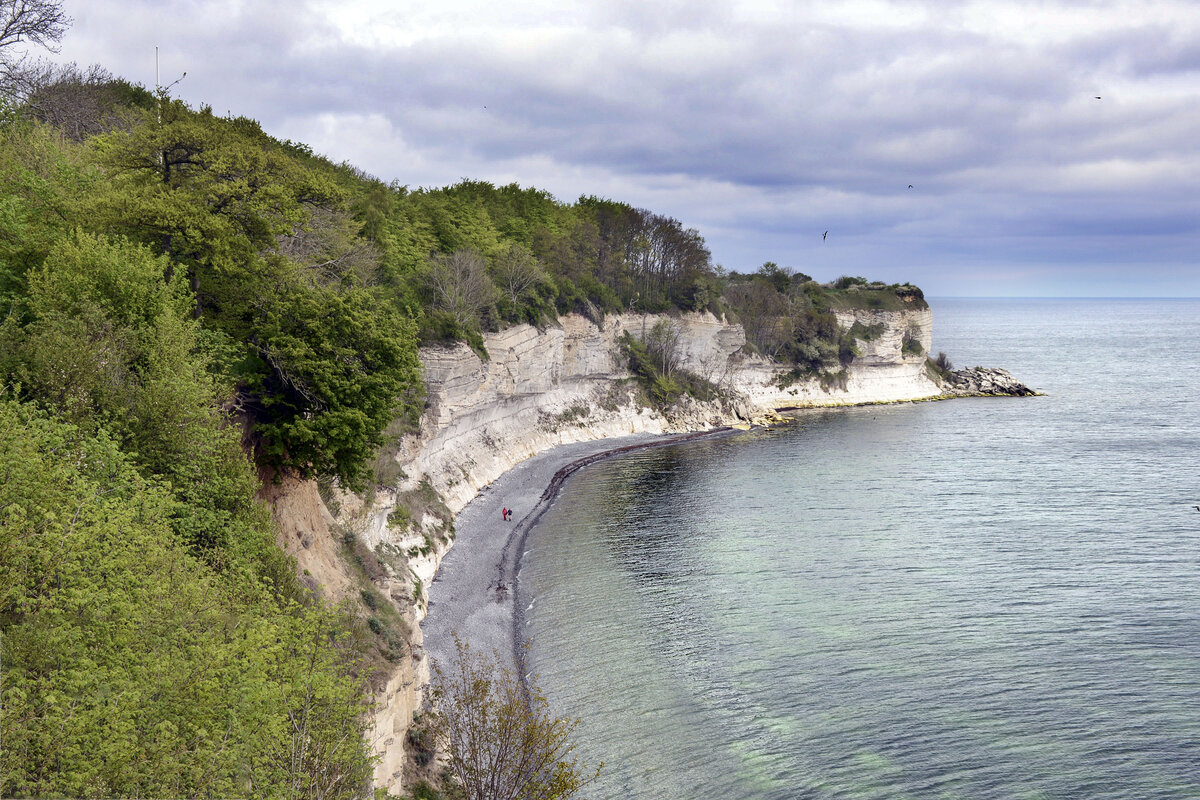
column 763, row 124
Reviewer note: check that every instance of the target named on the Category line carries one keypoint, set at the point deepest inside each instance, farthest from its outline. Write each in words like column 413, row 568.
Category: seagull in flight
column 823, row 235
column 910, row 186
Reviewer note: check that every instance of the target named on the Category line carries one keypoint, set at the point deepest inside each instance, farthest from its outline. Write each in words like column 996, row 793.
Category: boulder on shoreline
column 986, row 382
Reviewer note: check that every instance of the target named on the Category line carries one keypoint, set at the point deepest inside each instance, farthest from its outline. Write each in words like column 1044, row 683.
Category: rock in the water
column 987, row 382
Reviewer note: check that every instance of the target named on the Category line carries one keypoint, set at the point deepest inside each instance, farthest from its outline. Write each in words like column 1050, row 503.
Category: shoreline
column 475, row 593
column 521, row 533
column 496, row 434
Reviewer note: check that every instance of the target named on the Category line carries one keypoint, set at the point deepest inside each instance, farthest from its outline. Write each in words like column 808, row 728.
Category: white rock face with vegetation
column 569, row 383
column 884, row 373
column 539, row 389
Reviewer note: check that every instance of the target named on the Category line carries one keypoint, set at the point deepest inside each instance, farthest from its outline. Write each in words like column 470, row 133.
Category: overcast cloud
column 762, row 124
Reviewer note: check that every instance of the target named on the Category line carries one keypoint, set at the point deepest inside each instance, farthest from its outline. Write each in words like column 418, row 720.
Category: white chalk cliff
column 569, row 382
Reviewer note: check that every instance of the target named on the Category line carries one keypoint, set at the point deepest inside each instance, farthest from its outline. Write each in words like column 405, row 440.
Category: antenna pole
column 158, row 100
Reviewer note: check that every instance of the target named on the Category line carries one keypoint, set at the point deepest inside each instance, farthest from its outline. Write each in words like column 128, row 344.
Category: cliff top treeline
column 311, row 281
column 176, row 286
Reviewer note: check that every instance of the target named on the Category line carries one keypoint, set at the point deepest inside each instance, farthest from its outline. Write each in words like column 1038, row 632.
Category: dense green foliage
column 156, row 642
column 130, row 667
column 257, row 246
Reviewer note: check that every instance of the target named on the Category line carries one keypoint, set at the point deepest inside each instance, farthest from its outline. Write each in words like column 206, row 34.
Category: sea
column 985, row 599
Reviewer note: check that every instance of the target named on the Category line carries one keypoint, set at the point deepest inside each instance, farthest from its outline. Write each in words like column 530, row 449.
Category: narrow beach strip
column 475, row 593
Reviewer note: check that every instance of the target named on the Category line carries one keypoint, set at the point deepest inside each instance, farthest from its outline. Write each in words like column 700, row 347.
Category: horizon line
column 1054, row 297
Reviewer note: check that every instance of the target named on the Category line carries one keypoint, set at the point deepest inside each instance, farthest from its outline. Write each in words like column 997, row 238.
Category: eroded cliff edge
column 540, row 388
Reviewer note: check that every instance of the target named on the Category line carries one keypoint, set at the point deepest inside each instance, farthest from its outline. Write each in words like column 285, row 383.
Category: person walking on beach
column 504, row 514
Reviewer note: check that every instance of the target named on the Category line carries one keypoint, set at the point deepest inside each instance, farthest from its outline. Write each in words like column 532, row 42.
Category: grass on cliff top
column 856, row 294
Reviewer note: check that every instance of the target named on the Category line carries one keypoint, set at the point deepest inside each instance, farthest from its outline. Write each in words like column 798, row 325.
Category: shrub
column 911, row 345
column 939, row 369
column 500, row 739
column 421, row 745
column 662, row 390
column 422, row 790
column 867, row 333
column 400, row 518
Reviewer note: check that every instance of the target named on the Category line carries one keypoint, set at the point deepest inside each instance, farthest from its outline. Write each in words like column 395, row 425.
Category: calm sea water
column 992, row 598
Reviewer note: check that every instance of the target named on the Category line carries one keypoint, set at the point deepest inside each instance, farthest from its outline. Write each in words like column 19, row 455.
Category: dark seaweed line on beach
column 520, row 533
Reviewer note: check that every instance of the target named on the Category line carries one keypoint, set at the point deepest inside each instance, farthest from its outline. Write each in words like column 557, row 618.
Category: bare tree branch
column 517, row 271
column 40, row 22
column 460, row 286
column 501, row 741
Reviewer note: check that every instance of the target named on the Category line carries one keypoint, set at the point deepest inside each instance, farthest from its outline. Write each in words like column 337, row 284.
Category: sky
column 993, row 148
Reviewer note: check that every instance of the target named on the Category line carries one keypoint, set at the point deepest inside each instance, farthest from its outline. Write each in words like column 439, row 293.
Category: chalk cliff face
column 542, row 388
column 884, row 373
column 569, row 383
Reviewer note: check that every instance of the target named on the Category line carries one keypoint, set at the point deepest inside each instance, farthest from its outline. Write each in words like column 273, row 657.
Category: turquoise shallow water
column 994, row 598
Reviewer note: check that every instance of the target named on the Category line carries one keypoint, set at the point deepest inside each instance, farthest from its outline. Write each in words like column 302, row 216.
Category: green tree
column 211, row 193
column 279, row 274
column 42, row 179
column 777, row 276
column 326, row 373
column 109, row 344
column 519, row 277
column 764, row 314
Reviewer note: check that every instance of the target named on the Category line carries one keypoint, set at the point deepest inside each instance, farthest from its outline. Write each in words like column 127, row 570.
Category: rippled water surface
column 992, row 598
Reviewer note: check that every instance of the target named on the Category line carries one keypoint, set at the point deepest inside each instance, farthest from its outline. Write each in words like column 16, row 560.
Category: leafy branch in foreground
column 131, row 668
column 500, row 739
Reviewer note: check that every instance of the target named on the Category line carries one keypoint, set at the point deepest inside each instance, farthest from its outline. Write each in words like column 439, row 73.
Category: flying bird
column 1097, row 97
column 823, row 235
column 910, row 186
column 1196, row 507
